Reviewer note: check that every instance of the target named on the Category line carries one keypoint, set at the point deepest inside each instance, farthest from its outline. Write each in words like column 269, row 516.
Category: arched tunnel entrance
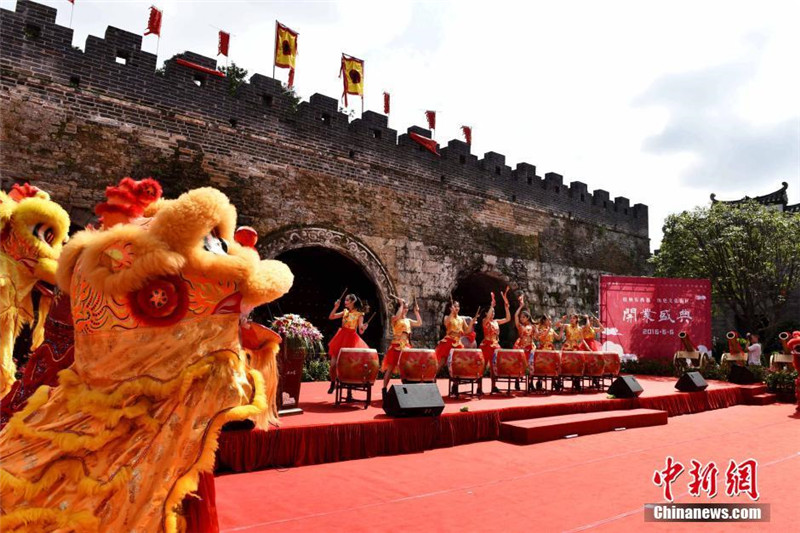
column 475, row 290
column 320, row 276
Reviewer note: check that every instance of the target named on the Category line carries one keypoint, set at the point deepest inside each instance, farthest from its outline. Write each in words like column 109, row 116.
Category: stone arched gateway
column 282, row 243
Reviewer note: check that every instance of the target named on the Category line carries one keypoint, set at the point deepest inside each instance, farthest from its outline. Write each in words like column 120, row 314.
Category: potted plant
column 300, row 339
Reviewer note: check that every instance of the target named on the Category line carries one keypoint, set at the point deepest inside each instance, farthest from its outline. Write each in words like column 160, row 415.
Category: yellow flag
column 352, row 74
column 285, row 46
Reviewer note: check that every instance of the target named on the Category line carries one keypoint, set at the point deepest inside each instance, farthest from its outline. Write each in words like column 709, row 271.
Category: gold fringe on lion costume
column 159, row 368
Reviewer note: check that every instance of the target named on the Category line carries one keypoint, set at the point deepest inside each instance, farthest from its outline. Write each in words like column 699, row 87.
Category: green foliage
column 781, row 380
column 750, row 253
column 235, row 75
column 294, row 99
column 317, row 370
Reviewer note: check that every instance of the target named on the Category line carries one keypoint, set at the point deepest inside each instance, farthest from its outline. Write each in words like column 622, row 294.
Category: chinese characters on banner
column 643, row 316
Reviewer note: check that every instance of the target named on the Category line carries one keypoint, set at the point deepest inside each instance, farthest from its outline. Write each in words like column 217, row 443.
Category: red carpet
column 597, row 482
column 326, row 433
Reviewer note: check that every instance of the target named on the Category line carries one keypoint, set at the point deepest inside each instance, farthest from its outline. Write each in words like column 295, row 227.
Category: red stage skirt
column 443, row 349
column 488, row 349
column 392, row 357
column 345, row 338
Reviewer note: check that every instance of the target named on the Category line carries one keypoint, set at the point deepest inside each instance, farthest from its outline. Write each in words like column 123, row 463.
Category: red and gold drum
column 418, row 365
column 357, row 365
column 572, row 363
column 466, row 364
column 546, row 363
column 612, row 364
column 509, row 364
column 593, row 364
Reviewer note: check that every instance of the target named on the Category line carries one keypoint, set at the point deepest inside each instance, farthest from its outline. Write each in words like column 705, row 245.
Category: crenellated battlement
column 33, row 45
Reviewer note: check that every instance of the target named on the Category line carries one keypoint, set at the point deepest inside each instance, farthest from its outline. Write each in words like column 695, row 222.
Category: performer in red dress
column 545, row 335
column 401, row 339
column 573, row 334
column 455, row 326
column 348, row 335
column 524, row 324
column 491, row 337
column 591, row 327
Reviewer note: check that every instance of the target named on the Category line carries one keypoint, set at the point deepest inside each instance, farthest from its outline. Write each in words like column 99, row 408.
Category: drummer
column 348, row 336
column 456, row 326
column 545, row 335
column 590, row 328
column 491, row 338
column 524, row 324
column 401, row 333
column 573, row 333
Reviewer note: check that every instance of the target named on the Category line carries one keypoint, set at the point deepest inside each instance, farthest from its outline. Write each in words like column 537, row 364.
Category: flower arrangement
column 298, row 332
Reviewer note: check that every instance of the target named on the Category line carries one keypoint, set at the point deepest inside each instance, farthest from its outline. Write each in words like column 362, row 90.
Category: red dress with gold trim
column 491, row 340
column 545, row 338
column 401, row 332
column 589, row 338
column 574, row 340
column 456, row 328
column 525, row 339
column 347, row 336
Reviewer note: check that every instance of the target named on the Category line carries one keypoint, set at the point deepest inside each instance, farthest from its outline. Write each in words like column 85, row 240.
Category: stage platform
column 326, row 433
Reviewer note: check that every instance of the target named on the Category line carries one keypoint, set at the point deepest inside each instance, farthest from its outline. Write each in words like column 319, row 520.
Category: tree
column 750, row 253
column 235, row 75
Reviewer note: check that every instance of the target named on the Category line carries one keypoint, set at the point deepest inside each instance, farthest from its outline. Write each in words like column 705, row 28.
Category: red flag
column 154, row 22
column 431, row 116
column 385, row 103
column 467, row 133
column 429, row 144
column 71, row 1
column 224, row 41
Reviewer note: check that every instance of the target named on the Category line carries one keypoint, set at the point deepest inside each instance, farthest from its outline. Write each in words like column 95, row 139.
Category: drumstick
column 343, row 294
column 370, row 318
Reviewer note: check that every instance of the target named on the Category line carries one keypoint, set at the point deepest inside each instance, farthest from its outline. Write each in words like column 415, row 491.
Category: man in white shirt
column 753, row 349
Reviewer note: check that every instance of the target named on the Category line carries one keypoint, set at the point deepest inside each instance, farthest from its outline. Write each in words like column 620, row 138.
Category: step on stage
column 325, row 433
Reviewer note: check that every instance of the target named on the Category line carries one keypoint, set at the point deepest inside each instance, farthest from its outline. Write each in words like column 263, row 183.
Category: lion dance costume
column 159, row 368
column 32, row 231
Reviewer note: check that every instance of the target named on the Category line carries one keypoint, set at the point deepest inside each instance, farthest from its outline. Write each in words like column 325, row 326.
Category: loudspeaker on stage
column 741, row 375
column 625, row 387
column 691, row 382
column 413, row 399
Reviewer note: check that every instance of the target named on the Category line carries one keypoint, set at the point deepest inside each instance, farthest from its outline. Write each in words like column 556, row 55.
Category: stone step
column 762, row 399
column 556, row 427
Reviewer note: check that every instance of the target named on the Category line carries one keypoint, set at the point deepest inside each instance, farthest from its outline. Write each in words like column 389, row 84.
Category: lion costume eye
column 44, row 233
column 215, row 245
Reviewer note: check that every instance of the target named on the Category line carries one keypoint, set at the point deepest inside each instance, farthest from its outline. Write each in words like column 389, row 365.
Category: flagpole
column 71, row 12
column 275, row 51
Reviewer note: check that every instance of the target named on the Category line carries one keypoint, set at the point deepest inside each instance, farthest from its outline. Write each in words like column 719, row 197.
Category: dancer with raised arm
column 524, row 324
column 545, row 335
column 455, row 327
column 591, row 327
column 573, row 334
column 491, row 337
column 401, row 338
column 348, row 335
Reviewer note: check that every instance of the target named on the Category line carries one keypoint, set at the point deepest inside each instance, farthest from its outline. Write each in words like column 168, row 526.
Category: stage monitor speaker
column 625, row 387
column 413, row 399
column 741, row 375
column 691, row 382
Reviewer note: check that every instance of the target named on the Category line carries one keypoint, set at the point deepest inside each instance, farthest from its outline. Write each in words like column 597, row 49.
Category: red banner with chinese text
column 643, row 316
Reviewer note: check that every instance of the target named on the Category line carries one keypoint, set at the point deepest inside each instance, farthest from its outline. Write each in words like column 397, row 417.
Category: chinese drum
column 612, row 364
column 545, row 363
column 572, row 363
column 466, row 364
column 509, row 364
column 418, row 365
column 593, row 364
column 357, row 366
